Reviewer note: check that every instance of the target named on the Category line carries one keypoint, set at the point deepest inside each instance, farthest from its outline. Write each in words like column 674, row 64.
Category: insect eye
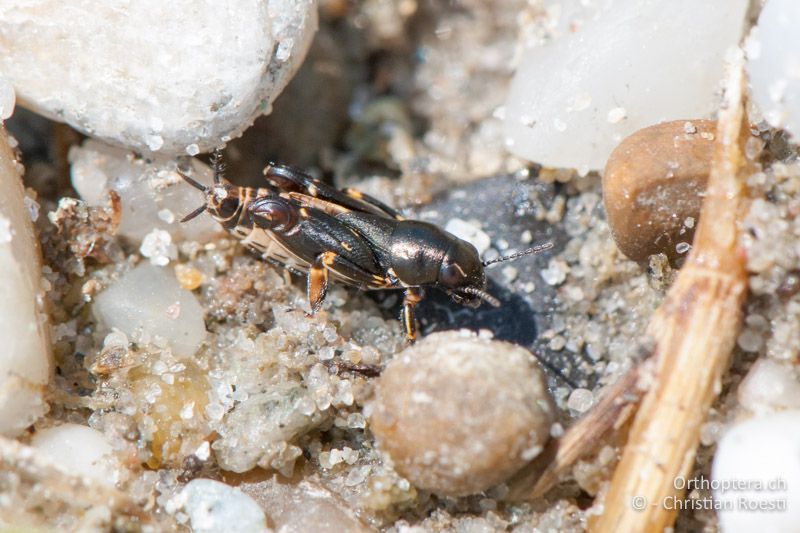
column 227, row 207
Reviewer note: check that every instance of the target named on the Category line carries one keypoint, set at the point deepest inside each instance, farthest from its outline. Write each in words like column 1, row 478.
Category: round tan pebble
column 458, row 413
column 653, row 187
column 189, row 278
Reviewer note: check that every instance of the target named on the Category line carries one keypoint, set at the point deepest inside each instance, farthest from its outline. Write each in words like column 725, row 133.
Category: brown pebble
column 653, row 183
column 458, row 414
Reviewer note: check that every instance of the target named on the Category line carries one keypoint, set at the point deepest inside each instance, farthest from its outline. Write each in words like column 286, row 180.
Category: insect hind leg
column 318, row 280
column 319, row 274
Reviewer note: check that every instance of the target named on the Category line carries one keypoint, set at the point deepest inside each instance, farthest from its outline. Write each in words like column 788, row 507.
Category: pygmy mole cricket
column 308, row 227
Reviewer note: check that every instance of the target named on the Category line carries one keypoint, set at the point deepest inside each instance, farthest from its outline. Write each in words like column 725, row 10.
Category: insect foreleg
column 413, row 296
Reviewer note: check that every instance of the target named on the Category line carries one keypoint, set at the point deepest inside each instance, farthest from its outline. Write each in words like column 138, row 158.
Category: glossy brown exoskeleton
column 306, row 226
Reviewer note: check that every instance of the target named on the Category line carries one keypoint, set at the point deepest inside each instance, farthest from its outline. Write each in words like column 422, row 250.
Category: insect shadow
column 514, row 321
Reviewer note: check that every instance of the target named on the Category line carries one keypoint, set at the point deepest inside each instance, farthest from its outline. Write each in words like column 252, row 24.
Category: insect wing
column 289, row 179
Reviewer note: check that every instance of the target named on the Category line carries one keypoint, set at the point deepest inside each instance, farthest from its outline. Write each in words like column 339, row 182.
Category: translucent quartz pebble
column 152, row 194
column 25, row 360
column 214, row 507
column 302, row 507
column 632, row 65
column 147, row 302
column 774, row 64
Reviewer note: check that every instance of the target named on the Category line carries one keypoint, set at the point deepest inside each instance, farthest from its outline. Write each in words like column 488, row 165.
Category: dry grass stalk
column 694, row 331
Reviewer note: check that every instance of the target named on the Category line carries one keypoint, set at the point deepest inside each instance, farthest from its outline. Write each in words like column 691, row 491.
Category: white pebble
column 469, row 232
column 79, row 450
column 750, row 340
column 143, row 300
column 580, row 400
column 509, row 273
column 203, row 451
column 154, row 142
column 115, row 338
column 187, row 412
column 555, row 273
column 617, row 115
column 8, row 99
column 756, row 475
column 770, row 386
column 214, row 507
column 33, row 208
column 158, row 247
column 356, row 421
column 167, row 216
column 529, row 287
column 357, row 476
column 153, row 75
column 215, row 411
column 645, row 62
column 284, row 51
column 773, row 67
column 25, row 360
column 557, row 343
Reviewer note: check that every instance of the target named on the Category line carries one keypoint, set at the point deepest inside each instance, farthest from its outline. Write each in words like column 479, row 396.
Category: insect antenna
column 217, row 166
column 534, row 250
column 485, row 296
column 194, row 213
column 192, row 182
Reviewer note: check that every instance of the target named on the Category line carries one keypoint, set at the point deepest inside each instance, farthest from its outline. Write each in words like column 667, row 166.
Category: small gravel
column 458, row 414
